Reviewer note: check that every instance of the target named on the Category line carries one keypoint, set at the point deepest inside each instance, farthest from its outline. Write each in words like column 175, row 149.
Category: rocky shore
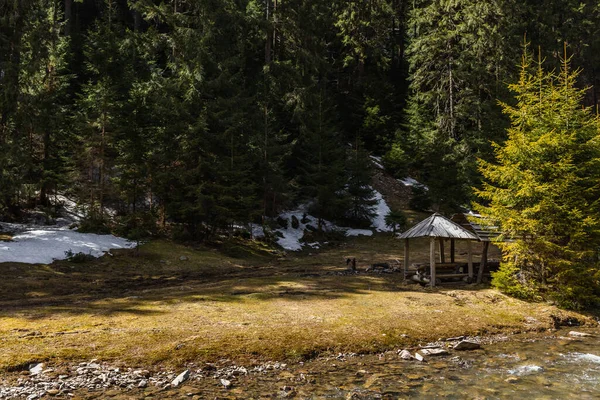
column 40, row 380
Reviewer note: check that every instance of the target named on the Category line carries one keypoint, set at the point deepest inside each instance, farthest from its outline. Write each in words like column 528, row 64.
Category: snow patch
column 359, row 232
column 408, row 181
column 42, row 245
column 257, row 230
column 381, row 210
column 291, row 237
column 377, row 162
column 74, row 212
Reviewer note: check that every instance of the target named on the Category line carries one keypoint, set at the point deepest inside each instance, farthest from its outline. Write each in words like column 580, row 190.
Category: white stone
column 36, row 369
column 226, row 383
column 181, row 378
column 580, row 334
column 405, row 355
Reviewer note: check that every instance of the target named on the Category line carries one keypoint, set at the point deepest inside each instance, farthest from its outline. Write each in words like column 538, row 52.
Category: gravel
column 97, row 376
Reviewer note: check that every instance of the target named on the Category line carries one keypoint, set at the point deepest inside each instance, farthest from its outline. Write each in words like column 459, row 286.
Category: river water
column 534, row 366
column 549, row 365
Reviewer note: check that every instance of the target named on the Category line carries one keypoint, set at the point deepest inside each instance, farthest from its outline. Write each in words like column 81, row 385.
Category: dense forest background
column 211, row 113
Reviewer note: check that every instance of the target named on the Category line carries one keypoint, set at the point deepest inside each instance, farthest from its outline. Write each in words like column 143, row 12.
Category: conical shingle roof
column 440, row 227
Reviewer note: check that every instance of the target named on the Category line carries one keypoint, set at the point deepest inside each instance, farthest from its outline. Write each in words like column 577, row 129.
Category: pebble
column 226, row 383
column 579, row 334
column 98, row 376
column 405, row 355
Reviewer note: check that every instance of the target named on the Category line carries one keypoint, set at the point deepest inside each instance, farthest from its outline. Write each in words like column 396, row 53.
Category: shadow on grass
column 163, row 273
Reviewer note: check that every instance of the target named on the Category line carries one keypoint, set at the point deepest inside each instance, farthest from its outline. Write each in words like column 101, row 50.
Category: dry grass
column 151, row 308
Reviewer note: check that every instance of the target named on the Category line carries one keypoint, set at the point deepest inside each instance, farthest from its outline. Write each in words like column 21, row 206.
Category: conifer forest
column 215, row 114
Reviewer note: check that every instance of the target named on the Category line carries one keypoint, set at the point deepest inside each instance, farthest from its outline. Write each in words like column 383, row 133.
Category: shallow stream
column 536, row 366
column 550, row 365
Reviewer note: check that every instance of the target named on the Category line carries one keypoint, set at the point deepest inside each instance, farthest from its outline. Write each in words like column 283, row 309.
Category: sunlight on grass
column 155, row 309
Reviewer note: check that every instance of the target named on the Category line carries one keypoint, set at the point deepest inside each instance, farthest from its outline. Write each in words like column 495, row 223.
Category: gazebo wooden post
column 470, row 259
column 442, row 255
column 432, row 261
column 406, row 259
column 452, row 250
column 483, row 261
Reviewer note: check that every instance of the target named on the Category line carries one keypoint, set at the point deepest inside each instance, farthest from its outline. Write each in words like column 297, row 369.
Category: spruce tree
column 543, row 189
column 321, row 174
column 101, row 102
column 458, row 54
column 361, row 194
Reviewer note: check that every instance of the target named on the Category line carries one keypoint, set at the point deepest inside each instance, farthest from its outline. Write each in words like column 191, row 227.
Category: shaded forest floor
column 168, row 304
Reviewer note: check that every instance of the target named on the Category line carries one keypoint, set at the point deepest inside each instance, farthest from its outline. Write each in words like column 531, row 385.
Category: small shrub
column 396, row 220
column 78, row 257
column 420, row 200
column 182, row 233
column 508, row 281
column 137, row 226
column 94, row 224
column 577, row 288
column 396, row 161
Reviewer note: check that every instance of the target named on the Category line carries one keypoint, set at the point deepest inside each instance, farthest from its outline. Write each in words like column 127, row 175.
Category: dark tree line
column 216, row 113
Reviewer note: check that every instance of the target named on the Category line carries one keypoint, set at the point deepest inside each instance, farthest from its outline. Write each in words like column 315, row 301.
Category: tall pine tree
column 543, row 190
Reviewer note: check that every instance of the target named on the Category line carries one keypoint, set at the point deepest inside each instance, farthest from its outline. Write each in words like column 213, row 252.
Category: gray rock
column 295, row 222
column 143, row 383
column 183, row 258
column 419, row 357
column 182, row 377
column 405, row 355
column 433, row 352
column 467, row 345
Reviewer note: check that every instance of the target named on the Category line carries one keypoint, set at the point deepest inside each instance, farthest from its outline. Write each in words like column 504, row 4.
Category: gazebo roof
column 440, row 227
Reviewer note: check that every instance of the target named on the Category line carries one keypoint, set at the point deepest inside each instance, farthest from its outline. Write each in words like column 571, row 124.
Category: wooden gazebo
column 438, row 228
column 484, row 231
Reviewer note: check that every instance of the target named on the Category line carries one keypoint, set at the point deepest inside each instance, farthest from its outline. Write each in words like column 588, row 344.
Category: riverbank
column 558, row 364
column 166, row 306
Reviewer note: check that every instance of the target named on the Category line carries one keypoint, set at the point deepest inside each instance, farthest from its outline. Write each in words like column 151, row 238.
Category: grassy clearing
column 152, row 308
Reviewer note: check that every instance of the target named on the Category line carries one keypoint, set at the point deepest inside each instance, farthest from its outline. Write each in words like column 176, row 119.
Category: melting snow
column 292, row 237
column 44, row 244
column 381, row 210
column 359, row 232
column 408, row 181
column 377, row 162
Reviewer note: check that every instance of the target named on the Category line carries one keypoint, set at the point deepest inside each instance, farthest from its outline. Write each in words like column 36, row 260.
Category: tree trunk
column 45, row 184
column 68, row 17
column 483, row 261
column 270, row 35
